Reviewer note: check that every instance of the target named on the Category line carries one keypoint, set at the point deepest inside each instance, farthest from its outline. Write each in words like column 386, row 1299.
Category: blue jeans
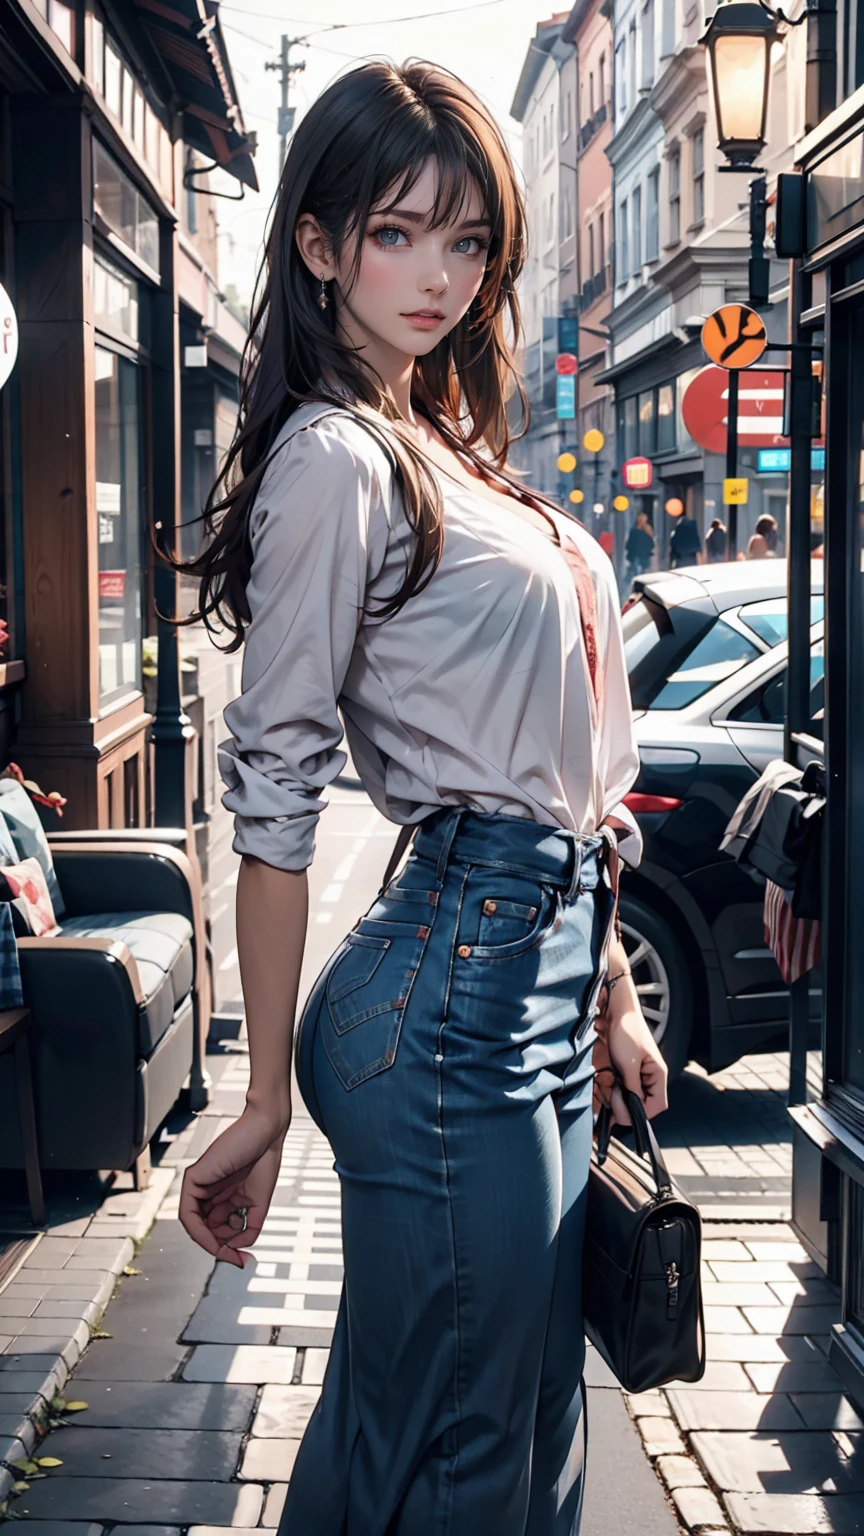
column 445, row 1052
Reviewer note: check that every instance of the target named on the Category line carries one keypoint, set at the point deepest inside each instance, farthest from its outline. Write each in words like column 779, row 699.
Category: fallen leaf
column 130, row 1270
column 48, row 1461
column 99, row 1333
column 20, row 1487
column 58, row 1402
column 26, row 1465
column 76, row 1407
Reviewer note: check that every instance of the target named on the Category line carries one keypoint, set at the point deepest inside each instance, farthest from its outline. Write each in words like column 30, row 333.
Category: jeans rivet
column 490, row 906
column 464, row 950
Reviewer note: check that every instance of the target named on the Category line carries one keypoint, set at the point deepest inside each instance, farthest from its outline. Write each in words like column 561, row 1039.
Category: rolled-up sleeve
column 317, row 524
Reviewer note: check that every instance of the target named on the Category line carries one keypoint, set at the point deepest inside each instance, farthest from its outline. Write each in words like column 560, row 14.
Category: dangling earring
column 322, row 297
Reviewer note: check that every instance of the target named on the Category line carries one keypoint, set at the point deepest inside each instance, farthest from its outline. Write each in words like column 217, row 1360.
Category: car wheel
column 661, row 978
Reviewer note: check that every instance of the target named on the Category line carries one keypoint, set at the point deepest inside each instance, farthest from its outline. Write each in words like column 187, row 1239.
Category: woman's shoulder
column 334, row 436
column 330, row 452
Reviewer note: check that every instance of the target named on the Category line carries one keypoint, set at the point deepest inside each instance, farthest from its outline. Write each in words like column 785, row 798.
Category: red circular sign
column 566, row 363
column 637, row 474
column 760, row 409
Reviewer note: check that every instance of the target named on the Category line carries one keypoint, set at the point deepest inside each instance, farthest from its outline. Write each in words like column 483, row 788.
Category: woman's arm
column 625, row 1046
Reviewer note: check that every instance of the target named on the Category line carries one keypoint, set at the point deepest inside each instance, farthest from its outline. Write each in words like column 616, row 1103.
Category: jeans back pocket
column 367, row 993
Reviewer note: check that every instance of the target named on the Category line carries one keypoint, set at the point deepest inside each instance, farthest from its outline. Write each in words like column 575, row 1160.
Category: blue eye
column 479, row 245
column 387, row 230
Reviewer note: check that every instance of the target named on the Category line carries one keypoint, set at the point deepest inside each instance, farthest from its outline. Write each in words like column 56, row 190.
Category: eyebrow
column 420, row 218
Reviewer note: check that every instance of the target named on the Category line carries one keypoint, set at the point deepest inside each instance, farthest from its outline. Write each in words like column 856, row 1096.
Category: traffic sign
column 566, row 363
column 734, row 493
column 734, row 336
column 8, row 336
column 778, row 461
column 565, row 398
column 637, row 474
column 760, row 409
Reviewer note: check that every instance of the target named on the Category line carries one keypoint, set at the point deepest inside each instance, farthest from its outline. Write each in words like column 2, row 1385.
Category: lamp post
column 739, row 39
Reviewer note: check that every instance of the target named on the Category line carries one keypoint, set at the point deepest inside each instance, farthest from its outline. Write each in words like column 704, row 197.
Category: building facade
column 107, row 116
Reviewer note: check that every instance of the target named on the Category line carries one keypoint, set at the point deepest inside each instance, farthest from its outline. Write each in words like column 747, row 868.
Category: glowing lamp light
column 621, row 503
column 593, row 441
column 674, row 507
column 598, row 509
column 566, row 463
column 577, row 496
column 739, row 39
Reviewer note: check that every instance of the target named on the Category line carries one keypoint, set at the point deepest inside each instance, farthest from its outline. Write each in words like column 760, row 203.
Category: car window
column 766, row 705
column 720, row 653
column 769, row 620
column 655, row 644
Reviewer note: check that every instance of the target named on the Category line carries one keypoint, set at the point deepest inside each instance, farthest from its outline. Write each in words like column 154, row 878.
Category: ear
column 313, row 247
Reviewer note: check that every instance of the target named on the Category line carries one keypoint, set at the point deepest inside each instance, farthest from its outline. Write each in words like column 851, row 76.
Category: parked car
column 706, row 650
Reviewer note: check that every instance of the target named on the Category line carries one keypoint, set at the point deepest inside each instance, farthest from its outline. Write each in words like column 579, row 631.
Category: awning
column 188, row 39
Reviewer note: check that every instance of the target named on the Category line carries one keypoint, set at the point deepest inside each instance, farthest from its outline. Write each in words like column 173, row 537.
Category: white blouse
column 476, row 693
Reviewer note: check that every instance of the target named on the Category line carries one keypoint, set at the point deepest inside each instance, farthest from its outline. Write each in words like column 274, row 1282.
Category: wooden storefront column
column 61, row 741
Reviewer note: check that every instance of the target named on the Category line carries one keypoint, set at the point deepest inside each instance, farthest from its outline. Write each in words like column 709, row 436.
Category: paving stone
column 274, row 1504
column 69, row 1528
column 737, row 1294
column 82, row 1311
column 803, row 1462
column 644, row 1403
column 45, row 1348
column 63, row 1277
column 728, row 1320
column 284, row 1412
column 732, row 1410
column 720, row 1376
column 298, row 1336
column 180, row 1454
column 167, row 1405
column 768, row 1270
column 268, row 1460
column 805, row 1515
column 622, row 1493
column 217, row 1530
column 29, row 1382
column 761, row 1346
column 826, row 1410
column 115, row 1360
column 660, row 1437
column 680, row 1472
column 795, row 1319
column 814, row 1375
column 815, row 1292
column 728, row 1249
column 51, row 1326
column 132, row 1499
column 51, row 1253
column 779, row 1248
column 216, row 1319
column 315, row 1364
column 101, row 1253
column 251, row 1363
column 24, row 1290
column 14, row 1309
column 699, row 1510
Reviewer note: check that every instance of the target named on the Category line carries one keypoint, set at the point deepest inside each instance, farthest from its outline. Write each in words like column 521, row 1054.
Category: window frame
column 674, row 178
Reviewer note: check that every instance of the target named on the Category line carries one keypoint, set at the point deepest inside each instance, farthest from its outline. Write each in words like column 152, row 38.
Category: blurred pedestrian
column 640, row 546
column 763, row 544
column 447, row 1047
column 716, row 542
column 685, row 545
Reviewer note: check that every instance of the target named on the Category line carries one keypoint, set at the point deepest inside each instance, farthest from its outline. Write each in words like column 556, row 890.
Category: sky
column 485, row 43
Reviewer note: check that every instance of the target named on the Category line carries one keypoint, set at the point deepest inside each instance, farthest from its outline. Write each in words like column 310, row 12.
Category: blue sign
column 568, row 334
column 778, row 461
column 565, row 396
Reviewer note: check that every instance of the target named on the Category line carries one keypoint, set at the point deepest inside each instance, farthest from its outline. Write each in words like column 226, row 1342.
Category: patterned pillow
column 22, row 823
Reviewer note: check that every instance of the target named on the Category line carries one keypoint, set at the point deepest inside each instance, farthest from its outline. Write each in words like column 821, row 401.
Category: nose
column 435, row 280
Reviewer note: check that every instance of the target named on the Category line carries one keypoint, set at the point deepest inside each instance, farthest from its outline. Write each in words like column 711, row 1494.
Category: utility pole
column 286, row 70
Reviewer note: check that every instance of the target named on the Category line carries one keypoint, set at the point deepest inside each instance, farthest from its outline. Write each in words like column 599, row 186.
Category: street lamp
column 739, row 39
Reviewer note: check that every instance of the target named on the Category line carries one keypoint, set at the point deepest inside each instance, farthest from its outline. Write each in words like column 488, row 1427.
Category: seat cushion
column 161, row 943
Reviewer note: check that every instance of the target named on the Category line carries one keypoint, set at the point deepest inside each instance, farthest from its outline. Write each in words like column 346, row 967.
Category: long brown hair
column 369, row 136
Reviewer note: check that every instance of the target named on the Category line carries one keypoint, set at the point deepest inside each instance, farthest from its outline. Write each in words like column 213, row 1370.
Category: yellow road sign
column 734, row 336
column 735, row 493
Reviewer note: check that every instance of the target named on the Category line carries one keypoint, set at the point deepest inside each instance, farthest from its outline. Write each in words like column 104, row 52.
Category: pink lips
column 424, row 319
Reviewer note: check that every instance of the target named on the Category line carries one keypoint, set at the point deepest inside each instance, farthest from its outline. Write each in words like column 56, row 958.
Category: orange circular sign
column 734, row 336
column 674, row 507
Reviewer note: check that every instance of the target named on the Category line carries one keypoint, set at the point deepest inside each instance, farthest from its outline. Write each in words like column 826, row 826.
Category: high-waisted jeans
column 445, row 1052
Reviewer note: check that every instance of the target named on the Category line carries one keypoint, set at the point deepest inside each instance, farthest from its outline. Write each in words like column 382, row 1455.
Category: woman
column 763, row 542
column 640, row 546
column 717, row 542
column 376, row 553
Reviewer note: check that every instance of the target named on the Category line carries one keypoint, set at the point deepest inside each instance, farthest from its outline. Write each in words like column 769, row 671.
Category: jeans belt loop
column 578, row 852
column 447, row 841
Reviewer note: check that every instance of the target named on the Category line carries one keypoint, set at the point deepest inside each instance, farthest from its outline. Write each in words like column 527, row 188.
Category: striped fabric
column 795, row 942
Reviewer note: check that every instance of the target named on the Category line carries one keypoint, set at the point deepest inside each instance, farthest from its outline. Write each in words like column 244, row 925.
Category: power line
column 342, row 26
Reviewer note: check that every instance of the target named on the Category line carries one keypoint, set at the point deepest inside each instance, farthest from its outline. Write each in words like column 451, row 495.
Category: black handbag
column 642, row 1291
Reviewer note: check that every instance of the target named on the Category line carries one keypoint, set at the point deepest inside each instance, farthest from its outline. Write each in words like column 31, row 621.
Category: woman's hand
column 239, row 1168
column 625, row 1044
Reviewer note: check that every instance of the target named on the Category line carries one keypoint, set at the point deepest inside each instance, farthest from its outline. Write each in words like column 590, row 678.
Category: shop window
column 118, row 201
column 652, row 219
column 665, row 418
column 698, row 143
column 647, row 424
column 115, row 302
column 648, row 45
column 683, row 440
column 636, row 230
column 119, row 519
column 675, row 197
column 631, row 427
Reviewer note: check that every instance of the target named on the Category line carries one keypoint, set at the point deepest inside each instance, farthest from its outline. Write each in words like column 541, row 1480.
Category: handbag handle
column 643, row 1132
column 406, row 832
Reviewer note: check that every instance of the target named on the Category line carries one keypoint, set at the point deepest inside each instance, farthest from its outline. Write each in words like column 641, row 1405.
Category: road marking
column 332, row 892
column 229, row 961
column 323, row 917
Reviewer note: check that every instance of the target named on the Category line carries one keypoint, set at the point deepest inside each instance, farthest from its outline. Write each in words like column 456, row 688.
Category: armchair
column 119, row 999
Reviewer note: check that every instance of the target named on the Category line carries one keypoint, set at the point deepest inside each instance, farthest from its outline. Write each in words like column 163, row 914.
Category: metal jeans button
column 490, row 906
column 464, row 950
